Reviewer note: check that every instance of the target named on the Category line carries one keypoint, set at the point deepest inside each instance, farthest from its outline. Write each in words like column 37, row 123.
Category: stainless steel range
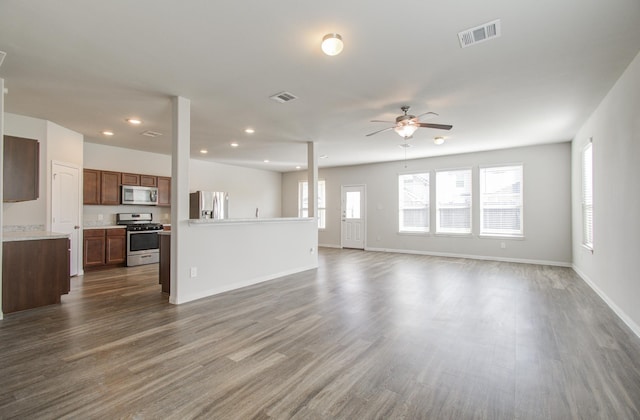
column 142, row 238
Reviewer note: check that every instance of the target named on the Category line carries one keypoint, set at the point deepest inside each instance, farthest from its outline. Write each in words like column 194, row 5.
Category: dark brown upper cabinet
column 21, row 169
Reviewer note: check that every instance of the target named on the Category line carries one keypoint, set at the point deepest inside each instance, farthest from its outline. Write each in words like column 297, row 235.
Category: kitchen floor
column 366, row 335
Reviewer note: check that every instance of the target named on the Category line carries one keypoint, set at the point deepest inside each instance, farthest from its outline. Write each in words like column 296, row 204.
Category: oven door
column 142, row 247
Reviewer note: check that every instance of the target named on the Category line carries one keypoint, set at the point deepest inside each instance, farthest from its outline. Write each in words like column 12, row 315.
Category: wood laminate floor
column 366, row 335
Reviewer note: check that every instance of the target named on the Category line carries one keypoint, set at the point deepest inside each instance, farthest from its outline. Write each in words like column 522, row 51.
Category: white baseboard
column 472, row 257
column 615, row 308
column 329, row 246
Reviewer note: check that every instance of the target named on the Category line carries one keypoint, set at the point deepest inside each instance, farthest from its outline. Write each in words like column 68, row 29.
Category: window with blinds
column 587, row 196
column 303, row 202
column 453, row 201
column 501, row 201
column 413, row 202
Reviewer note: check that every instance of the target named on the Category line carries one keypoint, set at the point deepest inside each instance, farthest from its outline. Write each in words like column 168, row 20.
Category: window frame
column 488, row 234
column 322, row 211
column 438, row 230
column 414, row 231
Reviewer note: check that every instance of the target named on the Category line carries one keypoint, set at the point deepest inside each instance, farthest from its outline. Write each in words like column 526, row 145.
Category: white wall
column 547, row 207
column 56, row 143
column 34, row 212
column 247, row 188
column 612, row 269
column 230, row 255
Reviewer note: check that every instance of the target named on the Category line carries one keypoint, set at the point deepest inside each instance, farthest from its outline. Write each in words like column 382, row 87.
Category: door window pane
column 352, row 205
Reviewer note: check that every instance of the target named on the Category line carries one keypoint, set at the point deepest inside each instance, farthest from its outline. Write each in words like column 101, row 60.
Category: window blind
column 587, row 196
column 501, row 201
column 413, row 214
column 453, row 201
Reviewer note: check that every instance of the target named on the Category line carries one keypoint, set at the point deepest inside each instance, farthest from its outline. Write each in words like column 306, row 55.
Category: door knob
column 76, row 227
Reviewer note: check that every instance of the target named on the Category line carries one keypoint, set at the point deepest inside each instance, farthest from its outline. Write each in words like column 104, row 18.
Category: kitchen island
column 220, row 255
column 35, row 269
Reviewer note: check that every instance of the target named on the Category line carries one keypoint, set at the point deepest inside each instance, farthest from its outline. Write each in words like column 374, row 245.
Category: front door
column 65, row 206
column 353, row 216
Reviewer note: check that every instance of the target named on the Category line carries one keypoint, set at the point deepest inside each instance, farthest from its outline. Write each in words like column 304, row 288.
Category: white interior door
column 65, row 206
column 353, row 216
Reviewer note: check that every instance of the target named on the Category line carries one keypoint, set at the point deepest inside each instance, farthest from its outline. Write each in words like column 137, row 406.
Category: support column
column 1, row 179
column 181, row 147
column 312, row 178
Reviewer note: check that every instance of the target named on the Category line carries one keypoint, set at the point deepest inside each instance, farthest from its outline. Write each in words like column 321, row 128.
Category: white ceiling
column 88, row 65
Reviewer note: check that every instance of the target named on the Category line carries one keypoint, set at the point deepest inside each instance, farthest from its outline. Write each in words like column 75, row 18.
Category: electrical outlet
column 503, row 245
column 194, row 272
column 100, row 217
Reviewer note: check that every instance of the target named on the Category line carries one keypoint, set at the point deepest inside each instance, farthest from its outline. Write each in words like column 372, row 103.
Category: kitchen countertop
column 33, row 235
column 104, row 227
column 248, row 221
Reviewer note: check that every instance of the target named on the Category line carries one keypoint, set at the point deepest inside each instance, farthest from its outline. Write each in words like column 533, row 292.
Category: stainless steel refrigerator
column 208, row 205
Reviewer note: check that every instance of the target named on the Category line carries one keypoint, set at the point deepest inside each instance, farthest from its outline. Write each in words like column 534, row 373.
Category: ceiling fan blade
column 390, row 122
column 438, row 126
column 380, row 131
column 427, row 113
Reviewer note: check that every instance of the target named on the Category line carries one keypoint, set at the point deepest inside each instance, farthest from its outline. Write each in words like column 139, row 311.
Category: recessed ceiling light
column 134, row 121
column 204, row 151
column 249, row 130
column 234, row 144
column 438, row 140
column 107, row 133
column 298, row 167
column 266, row 161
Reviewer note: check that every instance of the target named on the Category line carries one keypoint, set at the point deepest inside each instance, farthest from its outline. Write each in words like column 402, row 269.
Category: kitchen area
column 124, row 210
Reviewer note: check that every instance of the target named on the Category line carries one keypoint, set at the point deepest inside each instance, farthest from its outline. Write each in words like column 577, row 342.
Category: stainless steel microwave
column 145, row 196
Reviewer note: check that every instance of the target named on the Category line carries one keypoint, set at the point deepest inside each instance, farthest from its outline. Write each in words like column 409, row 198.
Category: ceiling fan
column 407, row 124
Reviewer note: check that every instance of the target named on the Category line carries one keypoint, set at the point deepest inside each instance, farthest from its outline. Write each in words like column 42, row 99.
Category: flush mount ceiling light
column 332, row 44
column 204, row 151
column 266, row 161
column 234, row 144
column 107, row 133
column 134, row 121
column 249, row 130
column 438, row 140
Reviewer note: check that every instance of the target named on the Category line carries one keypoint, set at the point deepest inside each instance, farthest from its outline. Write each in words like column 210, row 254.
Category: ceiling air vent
column 150, row 133
column 480, row 33
column 283, row 97
column 2, row 56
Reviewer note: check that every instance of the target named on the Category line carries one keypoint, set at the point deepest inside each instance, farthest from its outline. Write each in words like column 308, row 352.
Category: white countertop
column 104, row 227
column 33, row 235
column 248, row 221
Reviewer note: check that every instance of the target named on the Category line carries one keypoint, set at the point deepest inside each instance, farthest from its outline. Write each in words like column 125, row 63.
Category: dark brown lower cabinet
column 34, row 273
column 104, row 247
column 116, row 246
column 165, row 262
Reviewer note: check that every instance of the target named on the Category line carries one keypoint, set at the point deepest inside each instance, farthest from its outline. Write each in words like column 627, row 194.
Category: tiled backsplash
column 106, row 215
column 22, row 228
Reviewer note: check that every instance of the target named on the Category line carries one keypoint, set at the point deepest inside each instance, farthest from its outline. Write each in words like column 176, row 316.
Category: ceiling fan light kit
column 406, row 130
column 407, row 124
column 332, row 44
